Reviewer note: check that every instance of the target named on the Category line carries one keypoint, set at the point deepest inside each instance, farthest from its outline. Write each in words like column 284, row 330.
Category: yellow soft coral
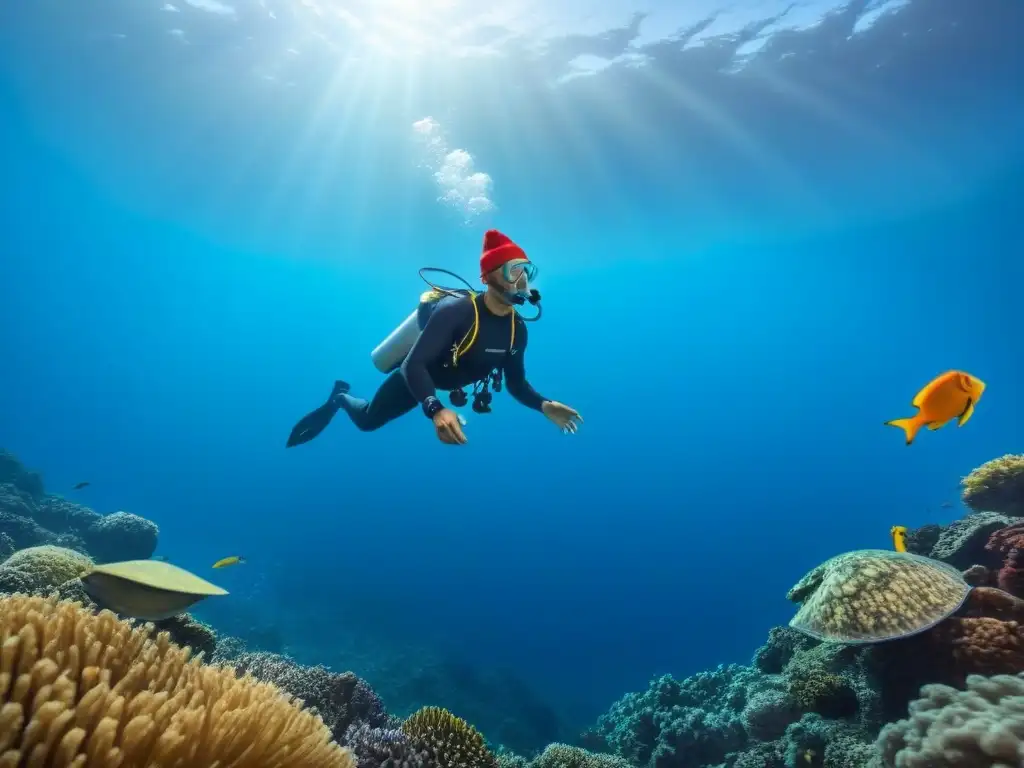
column 449, row 741
column 82, row 689
column 996, row 486
column 47, row 566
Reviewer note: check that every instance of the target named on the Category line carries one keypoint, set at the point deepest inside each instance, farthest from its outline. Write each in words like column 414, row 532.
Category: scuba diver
column 454, row 339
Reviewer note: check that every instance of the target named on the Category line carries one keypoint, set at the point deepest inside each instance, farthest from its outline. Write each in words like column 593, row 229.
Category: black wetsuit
column 429, row 366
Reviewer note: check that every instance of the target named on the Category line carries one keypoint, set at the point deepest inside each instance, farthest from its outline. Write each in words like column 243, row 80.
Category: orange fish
column 951, row 395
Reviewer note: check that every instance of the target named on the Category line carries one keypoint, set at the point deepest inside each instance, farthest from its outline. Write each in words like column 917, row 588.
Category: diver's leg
column 392, row 400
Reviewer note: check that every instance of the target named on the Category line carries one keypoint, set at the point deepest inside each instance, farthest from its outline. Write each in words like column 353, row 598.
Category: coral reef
column 86, row 688
column 29, row 517
column 980, row 727
column 340, row 699
column 996, row 486
column 950, row 611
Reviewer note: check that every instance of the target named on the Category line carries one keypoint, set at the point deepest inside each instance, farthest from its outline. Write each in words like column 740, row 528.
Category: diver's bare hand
column 449, row 430
column 567, row 419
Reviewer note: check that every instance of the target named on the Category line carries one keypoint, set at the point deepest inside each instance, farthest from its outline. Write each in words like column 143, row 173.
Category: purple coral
column 121, row 536
column 377, row 747
column 340, row 699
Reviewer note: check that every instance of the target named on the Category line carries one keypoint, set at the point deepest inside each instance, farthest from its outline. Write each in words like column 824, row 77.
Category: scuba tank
column 391, row 353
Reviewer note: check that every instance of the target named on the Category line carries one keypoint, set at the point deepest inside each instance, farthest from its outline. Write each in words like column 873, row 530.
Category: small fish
column 225, row 562
column 899, row 537
column 952, row 395
column 809, row 755
column 946, row 505
column 80, row 486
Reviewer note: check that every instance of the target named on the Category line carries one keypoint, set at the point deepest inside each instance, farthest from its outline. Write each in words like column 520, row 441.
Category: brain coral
column 41, row 568
column 980, row 727
column 79, row 688
column 996, row 486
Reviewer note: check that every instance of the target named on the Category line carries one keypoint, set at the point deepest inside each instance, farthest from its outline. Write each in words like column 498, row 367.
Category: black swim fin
column 315, row 422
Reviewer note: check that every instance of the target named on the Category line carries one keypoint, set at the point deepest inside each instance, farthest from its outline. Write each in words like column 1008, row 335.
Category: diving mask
column 519, row 275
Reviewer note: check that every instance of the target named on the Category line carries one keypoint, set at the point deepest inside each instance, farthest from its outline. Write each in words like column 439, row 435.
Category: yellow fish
column 952, row 395
column 899, row 537
column 225, row 562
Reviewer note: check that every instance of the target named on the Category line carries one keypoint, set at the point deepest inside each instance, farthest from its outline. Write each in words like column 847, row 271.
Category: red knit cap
column 498, row 250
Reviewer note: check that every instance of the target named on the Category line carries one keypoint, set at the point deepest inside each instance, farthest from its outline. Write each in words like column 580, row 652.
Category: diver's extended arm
column 515, row 377
column 434, row 343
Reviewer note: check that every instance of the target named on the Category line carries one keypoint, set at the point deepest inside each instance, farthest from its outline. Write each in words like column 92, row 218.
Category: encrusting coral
column 84, row 689
column 996, row 486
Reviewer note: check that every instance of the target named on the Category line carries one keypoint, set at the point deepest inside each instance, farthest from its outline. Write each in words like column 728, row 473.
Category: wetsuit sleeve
column 515, row 375
column 448, row 320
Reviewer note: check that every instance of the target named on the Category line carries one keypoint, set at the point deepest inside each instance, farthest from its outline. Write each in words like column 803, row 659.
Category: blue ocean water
column 758, row 236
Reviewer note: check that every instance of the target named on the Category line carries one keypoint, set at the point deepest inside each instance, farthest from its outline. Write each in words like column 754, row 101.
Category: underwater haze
column 760, row 228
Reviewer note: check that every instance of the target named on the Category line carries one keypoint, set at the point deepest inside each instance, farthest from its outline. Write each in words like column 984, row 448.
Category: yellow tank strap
column 467, row 341
column 470, row 338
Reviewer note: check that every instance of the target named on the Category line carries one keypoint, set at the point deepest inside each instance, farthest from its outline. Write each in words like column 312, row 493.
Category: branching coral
column 980, row 727
column 78, row 688
column 340, row 699
column 383, row 747
column 447, row 740
column 996, row 486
